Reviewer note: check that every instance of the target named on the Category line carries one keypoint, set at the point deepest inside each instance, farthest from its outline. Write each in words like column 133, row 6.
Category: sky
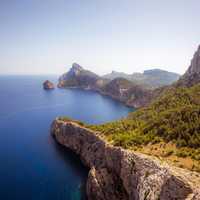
column 47, row 36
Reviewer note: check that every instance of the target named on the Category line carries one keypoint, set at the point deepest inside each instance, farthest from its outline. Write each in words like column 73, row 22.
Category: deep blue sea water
column 32, row 165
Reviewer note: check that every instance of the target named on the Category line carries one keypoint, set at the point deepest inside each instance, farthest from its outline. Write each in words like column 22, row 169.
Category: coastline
column 116, row 173
column 130, row 105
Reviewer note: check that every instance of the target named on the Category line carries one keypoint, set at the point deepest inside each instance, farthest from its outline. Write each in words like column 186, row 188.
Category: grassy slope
column 169, row 127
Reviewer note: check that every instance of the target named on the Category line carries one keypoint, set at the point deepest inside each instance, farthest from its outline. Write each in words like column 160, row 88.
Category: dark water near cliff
column 32, row 165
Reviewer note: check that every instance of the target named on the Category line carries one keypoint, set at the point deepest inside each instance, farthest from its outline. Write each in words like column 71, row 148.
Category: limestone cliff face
column 77, row 76
column 118, row 174
column 192, row 75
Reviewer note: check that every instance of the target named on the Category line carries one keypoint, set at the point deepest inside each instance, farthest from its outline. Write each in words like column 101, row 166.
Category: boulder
column 47, row 85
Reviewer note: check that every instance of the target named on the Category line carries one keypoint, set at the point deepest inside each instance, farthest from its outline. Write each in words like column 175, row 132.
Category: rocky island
column 119, row 174
column 48, row 85
column 153, row 153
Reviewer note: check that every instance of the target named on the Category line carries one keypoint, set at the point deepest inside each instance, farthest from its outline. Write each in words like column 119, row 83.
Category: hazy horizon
column 46, row 37
column 85, row 67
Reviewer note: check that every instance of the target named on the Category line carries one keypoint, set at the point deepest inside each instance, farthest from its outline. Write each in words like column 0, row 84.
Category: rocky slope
column 77, row 76
column 118, row 174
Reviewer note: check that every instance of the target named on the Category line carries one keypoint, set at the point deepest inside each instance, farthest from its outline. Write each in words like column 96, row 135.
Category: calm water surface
column 32, row 165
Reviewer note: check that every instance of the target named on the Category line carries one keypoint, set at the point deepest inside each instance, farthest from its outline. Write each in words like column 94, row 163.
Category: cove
column 32, row 165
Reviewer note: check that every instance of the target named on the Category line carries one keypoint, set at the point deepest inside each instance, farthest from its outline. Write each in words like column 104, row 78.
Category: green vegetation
column 172, row 118
column 67, row 119
column 169, row 128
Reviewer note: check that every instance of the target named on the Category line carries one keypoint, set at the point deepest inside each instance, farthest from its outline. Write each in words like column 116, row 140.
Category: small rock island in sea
column 48, row 85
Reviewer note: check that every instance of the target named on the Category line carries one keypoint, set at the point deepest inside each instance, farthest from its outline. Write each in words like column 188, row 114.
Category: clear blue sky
column 46, row 36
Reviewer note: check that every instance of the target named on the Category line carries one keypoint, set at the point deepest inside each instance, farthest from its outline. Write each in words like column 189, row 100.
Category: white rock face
column 118, row 174
column 75, row 70
column 195, row 63
column 192, row 75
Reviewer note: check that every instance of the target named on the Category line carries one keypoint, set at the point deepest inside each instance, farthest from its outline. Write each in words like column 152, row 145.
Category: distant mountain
column 77, row 76
column 120, row 88
column 150, row 78
column 115, row 74
column 134, row 90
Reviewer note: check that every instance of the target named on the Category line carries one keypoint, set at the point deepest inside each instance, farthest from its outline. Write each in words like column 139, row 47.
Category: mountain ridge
column 192, row 75
column 134, row 94
column 152, row 78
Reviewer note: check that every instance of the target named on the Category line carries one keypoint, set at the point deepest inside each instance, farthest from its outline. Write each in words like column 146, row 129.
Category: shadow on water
column 68, row 156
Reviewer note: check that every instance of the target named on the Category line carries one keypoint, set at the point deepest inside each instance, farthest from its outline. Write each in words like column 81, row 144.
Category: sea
column 32, row 165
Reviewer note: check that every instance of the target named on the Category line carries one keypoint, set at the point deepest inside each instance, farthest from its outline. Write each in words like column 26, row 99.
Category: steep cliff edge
column 118, row 174
column 192, row 75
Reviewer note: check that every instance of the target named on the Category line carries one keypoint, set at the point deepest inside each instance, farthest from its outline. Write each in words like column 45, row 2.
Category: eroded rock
column 118, row 174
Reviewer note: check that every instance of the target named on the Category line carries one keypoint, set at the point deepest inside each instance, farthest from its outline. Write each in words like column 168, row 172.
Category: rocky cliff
column 118, row 174
column 125, row 91
column 79, row 77
column 192, row 75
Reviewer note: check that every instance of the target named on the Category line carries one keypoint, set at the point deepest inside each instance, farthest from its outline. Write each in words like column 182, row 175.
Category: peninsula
column 136, row 90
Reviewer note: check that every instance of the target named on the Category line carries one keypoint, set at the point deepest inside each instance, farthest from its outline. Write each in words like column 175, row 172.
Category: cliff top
column 74, row 128
column 195, row 63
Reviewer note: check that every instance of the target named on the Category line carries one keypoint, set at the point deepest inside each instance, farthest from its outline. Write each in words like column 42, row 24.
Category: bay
column 32, row 165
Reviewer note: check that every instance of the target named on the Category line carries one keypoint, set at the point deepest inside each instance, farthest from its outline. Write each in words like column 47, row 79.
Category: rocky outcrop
column 118, row 174
column 192, row 75
column 47, row 85
column 77, row 76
